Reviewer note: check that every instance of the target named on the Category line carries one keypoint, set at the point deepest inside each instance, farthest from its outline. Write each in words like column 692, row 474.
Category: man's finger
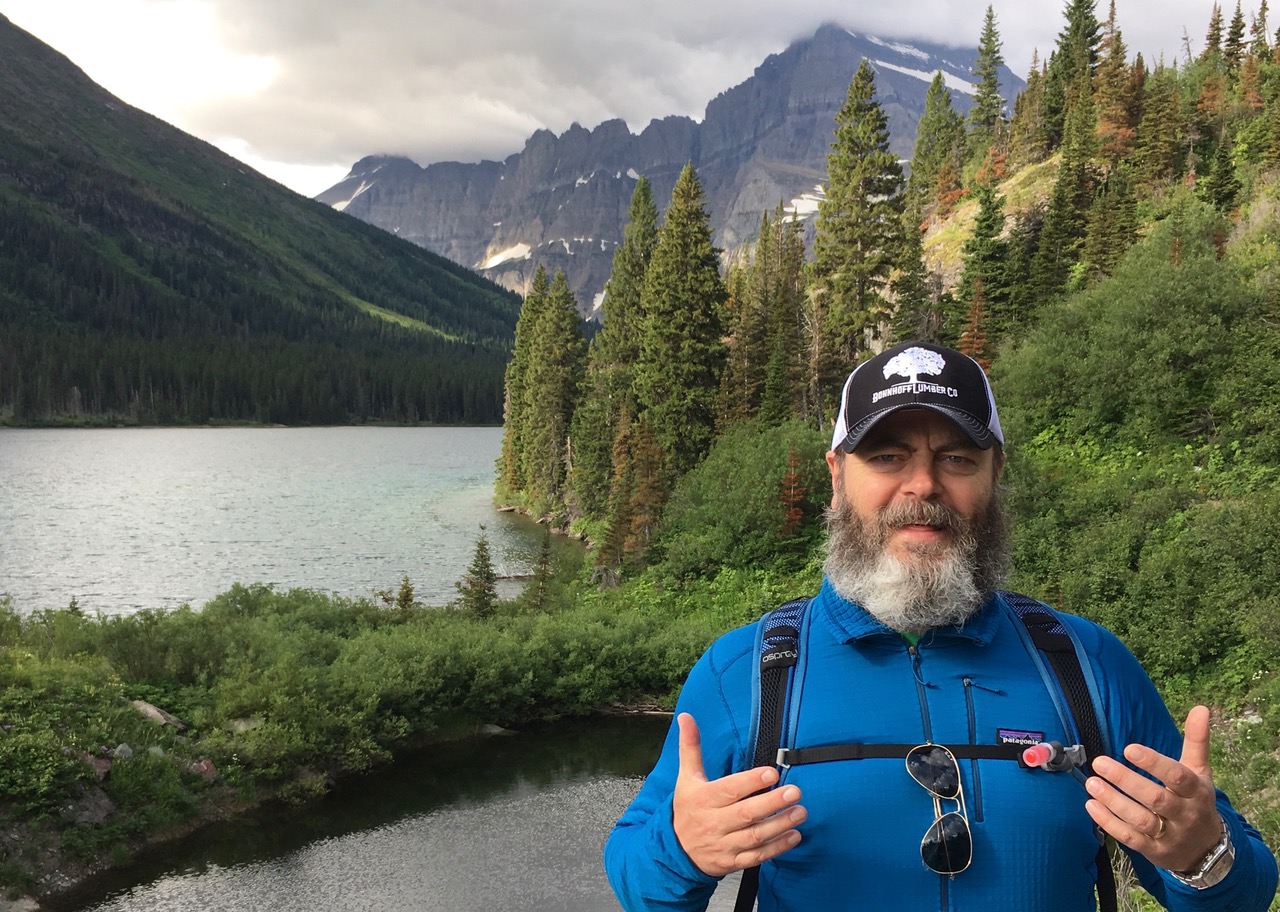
column 1195, row 742
column 690, row 749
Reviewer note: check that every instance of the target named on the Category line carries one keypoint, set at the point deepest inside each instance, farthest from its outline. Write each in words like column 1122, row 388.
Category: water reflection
column 501, row 823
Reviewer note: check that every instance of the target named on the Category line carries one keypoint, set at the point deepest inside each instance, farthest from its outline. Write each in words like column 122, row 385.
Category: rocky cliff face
column 562, row 200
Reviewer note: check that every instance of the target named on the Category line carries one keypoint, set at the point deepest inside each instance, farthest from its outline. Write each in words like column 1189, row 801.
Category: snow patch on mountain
column 952, row 82
column 515, row 252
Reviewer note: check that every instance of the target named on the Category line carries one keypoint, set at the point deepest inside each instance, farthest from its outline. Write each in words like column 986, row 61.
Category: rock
column 157, row 715
column 122, row 752
column 24, row 904
column 491, row 729
column 205, row 770
column 240, row 726
column 94, row 808
column 101, row 769
column 155, row 750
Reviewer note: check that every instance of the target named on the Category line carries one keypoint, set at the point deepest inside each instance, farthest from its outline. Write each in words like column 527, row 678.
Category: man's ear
column 833, row 465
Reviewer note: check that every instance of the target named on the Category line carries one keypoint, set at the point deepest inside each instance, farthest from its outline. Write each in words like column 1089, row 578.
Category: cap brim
column 975, row 429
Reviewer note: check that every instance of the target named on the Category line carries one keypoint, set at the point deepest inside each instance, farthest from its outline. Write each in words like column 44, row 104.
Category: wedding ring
column 1159, row 832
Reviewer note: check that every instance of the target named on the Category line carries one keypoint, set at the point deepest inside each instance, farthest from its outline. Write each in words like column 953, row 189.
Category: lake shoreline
column 63, row 878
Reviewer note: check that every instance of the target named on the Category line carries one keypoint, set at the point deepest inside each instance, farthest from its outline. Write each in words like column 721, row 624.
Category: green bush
column 730, row 511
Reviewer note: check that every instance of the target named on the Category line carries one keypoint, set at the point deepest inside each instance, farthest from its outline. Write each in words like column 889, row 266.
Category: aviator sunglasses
column 947, row 846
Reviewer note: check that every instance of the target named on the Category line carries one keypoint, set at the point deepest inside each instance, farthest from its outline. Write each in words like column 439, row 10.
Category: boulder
column 157, row 715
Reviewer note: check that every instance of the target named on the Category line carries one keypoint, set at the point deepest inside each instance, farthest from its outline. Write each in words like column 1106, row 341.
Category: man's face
column 915, row 456
column 916, row 534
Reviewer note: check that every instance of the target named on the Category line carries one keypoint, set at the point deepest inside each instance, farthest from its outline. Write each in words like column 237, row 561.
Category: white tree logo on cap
column 913, row 362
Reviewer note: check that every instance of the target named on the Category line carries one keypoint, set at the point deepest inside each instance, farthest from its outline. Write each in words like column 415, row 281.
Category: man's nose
column 921, row 480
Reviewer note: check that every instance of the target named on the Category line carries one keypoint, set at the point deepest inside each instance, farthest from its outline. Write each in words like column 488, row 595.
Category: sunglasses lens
column 947, row 847
column 935, row 768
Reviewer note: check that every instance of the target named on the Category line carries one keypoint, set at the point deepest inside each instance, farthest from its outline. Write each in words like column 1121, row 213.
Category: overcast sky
column 302, row 89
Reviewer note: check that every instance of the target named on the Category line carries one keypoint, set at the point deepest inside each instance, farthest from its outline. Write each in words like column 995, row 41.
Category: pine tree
column 1221, row 187
column 859, row 229
column 938, row 134
column 1076, row 54
column 608, row 390
column 784, row 376
column 556, row 363
column 987, row 112
column 1158, row 148
column 1260, row 46
column 917, row 305
column 985, row 256
column 1233, row 50
column 743, row 380
column 682, row 349
column 478, row 589
column 510, row 474
column 1114, row 87
column 1027, row 131
column 1213, row 39
column 1065, row 219
column 1112, row 223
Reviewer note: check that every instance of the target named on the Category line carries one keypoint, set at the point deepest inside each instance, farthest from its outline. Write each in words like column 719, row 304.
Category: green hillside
column 147, row 277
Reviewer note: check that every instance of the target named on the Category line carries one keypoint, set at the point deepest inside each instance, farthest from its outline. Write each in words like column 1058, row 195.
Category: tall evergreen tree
column 1114, row 87
column 514, row 423
column 1260, row 45
column 987, row 112
column 1112, row 223
column 1027, row 131
column 1233, row 49
column 1158, row 147
column 939, row 134
column 478, row 589
column 1221, row 187
column 1076, row 53
column 917, row 293
column 742, row 385
column 556, row 363
column 608, row 390
column 682, row 349
column 983, row 276
column 1065, row 218
column 859, row 229
column 1213, row 38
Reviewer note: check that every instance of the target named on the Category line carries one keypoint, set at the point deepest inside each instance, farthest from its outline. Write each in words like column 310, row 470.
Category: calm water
column 508, row 823
column 152, row 518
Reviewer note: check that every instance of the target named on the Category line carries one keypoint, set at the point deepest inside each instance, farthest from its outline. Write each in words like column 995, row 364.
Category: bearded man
column 910, row 645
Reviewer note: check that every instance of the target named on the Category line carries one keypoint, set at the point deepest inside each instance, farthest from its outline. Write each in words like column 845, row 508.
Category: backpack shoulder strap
column 777, row 657
column 1074, row 682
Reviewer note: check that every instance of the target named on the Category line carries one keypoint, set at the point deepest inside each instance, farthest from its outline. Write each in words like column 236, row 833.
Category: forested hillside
column 1109, row 251
column 145, row 277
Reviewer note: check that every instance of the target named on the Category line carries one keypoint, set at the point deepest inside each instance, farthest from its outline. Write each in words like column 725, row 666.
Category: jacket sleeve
column 1136, row 714
column 646, row 866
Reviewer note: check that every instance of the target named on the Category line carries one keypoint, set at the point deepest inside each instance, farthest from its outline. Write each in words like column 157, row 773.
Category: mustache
column 921, row 513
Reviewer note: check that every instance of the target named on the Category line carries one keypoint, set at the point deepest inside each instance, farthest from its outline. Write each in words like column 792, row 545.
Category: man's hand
column 1173, row 824
column 723, row 825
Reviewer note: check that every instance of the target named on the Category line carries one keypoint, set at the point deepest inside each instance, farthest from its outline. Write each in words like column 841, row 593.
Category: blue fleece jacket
column 1033, row 842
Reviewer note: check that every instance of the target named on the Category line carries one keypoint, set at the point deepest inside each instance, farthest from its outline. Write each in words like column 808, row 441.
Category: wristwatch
column 1215, row 867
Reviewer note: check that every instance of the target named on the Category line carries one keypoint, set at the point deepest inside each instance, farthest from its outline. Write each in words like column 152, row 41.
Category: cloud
column 318, row 84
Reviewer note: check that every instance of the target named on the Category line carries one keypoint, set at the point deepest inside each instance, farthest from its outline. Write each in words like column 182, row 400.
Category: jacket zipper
column 975, row 775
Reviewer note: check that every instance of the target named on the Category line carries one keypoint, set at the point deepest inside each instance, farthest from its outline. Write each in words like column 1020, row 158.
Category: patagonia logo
column 785, row 655
column 1018, row 736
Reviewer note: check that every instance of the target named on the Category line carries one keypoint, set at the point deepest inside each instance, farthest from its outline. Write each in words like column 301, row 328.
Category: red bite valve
column 1038, row 754
column 1052, row 756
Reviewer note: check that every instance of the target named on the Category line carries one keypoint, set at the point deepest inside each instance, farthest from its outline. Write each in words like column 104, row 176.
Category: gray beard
column 938, row 585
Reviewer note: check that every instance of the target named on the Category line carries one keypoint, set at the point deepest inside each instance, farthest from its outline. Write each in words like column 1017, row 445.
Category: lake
column 505, row 824
column 125, row 519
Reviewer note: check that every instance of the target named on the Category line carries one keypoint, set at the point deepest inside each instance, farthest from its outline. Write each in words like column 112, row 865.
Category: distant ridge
column 147, row 277
column 562, row 200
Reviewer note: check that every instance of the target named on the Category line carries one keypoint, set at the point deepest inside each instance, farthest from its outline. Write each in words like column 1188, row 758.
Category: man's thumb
column 690, row 748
